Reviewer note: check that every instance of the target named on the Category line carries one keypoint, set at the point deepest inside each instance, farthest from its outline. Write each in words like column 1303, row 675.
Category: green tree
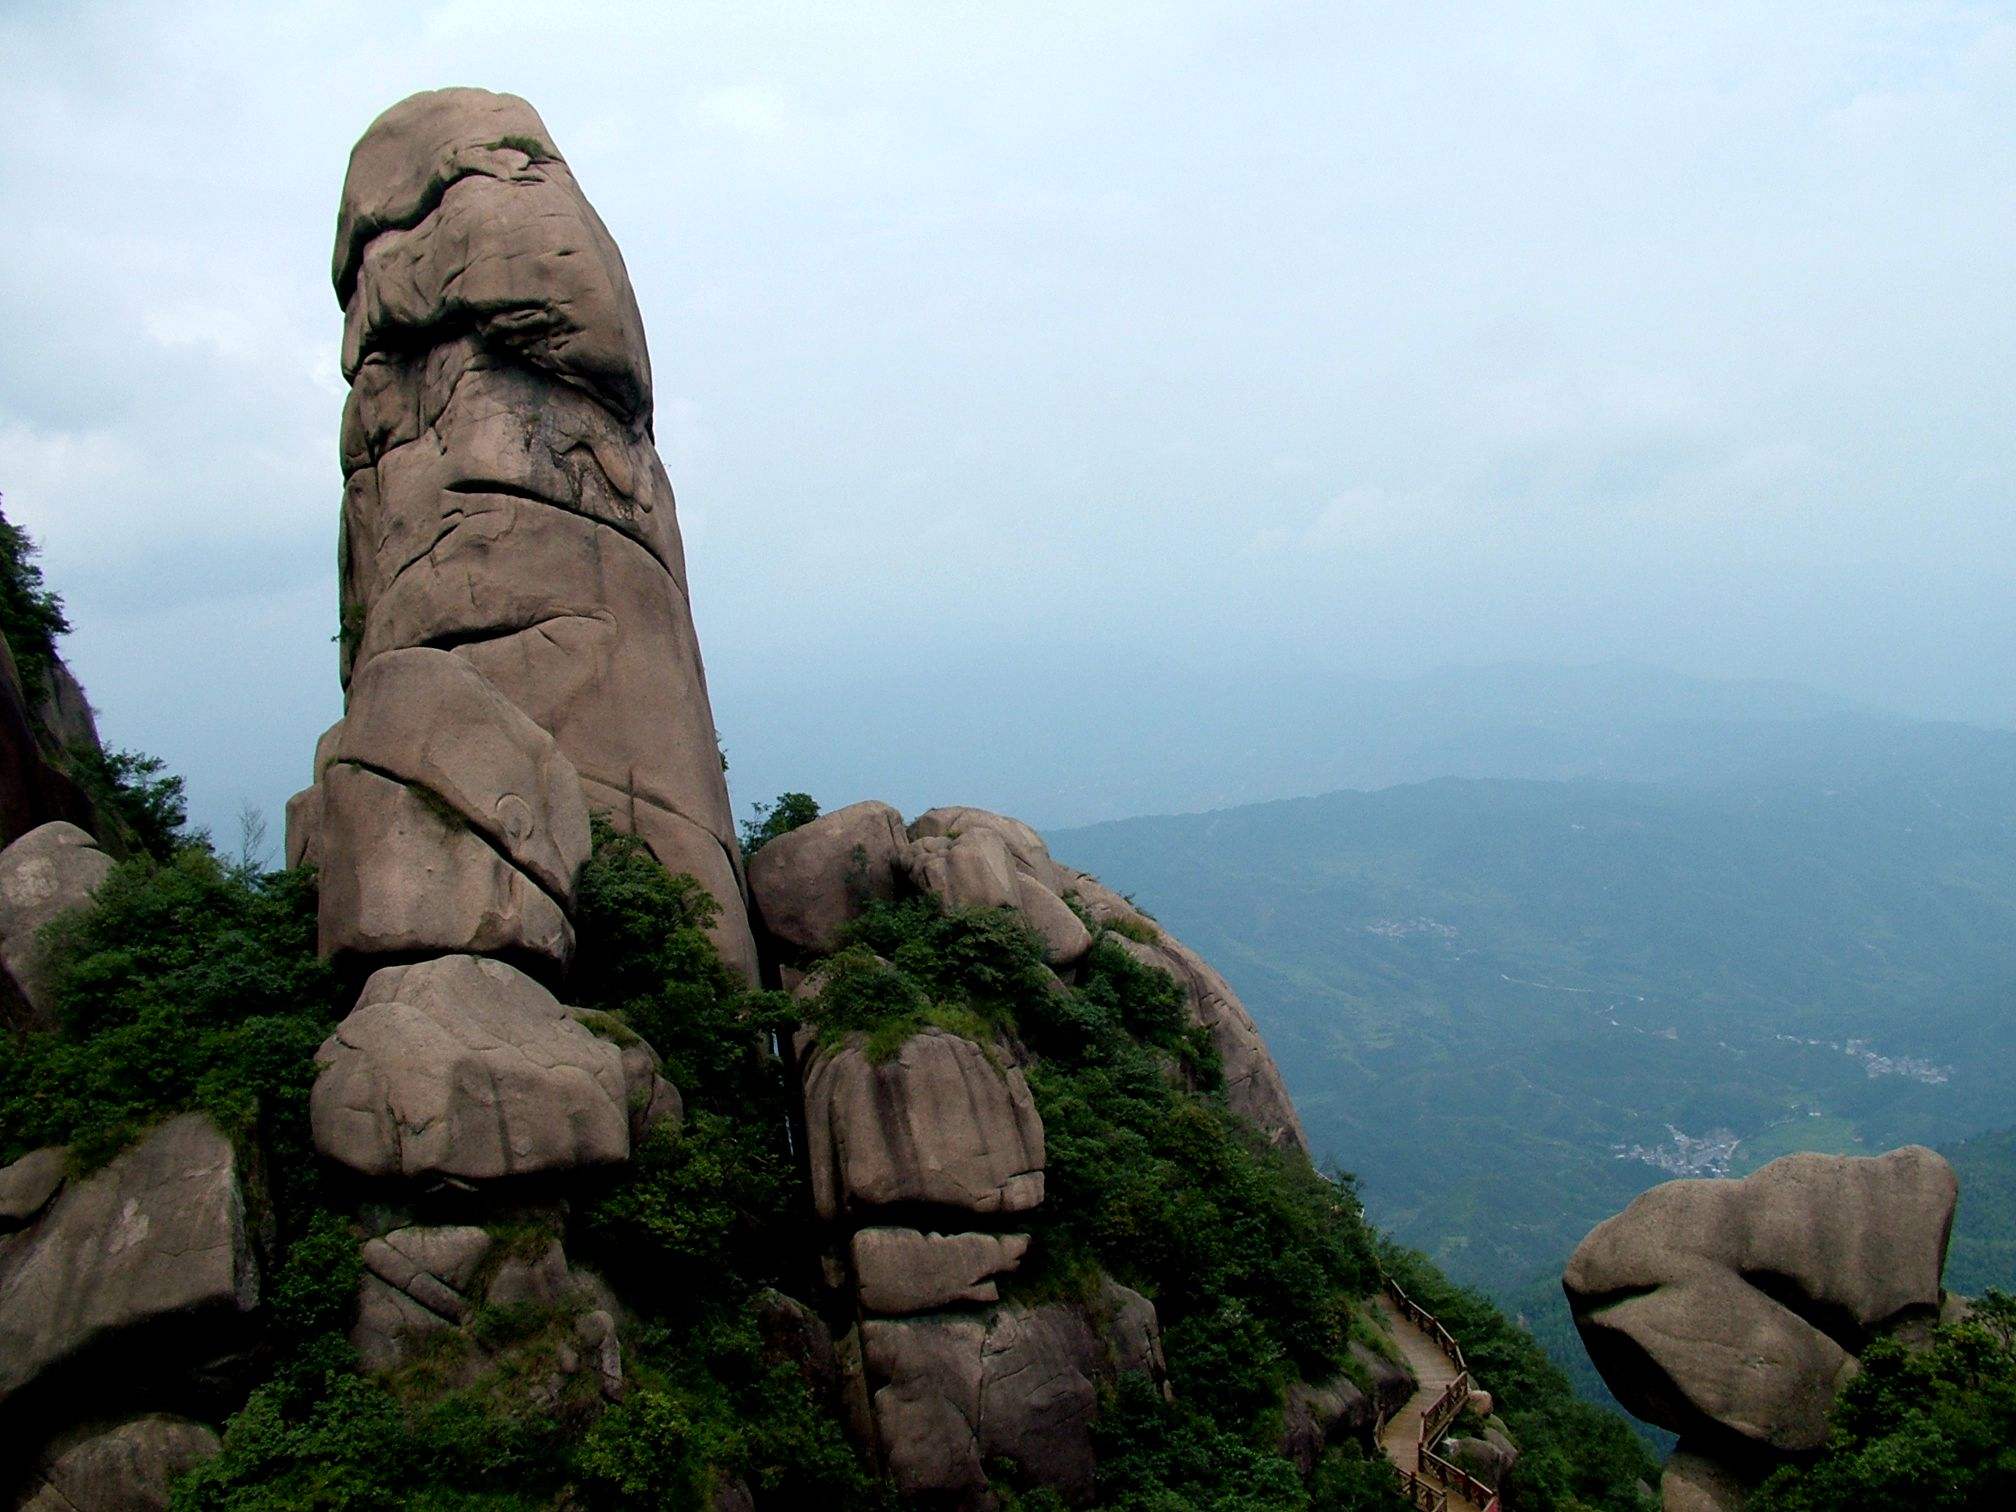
column 31, row 614
column 769, row 820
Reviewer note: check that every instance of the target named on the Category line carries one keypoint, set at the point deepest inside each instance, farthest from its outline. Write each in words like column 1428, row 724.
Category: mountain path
column 1399, row 1440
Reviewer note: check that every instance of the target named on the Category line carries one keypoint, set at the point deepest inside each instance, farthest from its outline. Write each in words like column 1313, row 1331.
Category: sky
column 1010, row 354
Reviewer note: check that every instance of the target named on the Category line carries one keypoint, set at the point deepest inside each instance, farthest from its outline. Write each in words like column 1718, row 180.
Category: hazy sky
column 1013, row 346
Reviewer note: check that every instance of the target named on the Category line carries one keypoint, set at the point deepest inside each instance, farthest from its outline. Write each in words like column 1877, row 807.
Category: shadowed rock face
column 504, row 504
column 158, row 1237
column 51, row 870
column 1732, row 1311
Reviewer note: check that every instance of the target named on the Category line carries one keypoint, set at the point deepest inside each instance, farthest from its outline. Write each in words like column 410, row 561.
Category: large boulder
column 504, row 501
column 467, row 1069
column 147, row 1264
column 27, row 1185
column 940, row 1123
column 953, row 1392
column 1731, row 1311
column 902, row 1270
column 128, row 1468
column 1025, row 847
column 428, row 719
column 402, row 874
column 33, row 789
column 971, row 870
column 1318, row 1415
column 811, row 882
column 970, row 858
column 46, row 873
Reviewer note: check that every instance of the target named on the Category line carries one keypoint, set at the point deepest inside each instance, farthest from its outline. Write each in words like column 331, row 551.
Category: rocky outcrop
column 467, row 1069
column 1018, row 1384
column 969, row 858
column 34, row 732
column 811, row 882
column 504, row 503
column 27, row 1185
column 1254, row 1088
column 938, row 1124
column 899, row 1270
column 46, row 873
column 1732, row 1311
column 148, row 1264
column 403, row 876
column 127, row 1468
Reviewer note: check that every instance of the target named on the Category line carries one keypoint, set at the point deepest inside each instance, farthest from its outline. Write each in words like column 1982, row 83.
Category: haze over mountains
column 1082, row 742
column 1655, row 927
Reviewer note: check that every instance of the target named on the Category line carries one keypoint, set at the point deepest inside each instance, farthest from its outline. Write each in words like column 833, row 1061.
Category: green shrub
column 769, row 820
column 1929, row 1428
column 31, row 615
column 188, row 984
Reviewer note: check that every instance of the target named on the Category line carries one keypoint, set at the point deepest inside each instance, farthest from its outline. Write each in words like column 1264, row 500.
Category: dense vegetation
column 1931, row 1428
column 1983, row 1253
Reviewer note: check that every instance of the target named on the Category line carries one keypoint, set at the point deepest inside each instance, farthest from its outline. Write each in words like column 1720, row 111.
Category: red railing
column 1431, row 1469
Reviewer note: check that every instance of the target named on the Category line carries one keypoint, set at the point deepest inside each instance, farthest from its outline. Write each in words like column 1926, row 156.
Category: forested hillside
column 1510, row 1006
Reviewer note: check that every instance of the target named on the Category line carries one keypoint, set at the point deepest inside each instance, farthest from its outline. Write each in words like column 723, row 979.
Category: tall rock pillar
column 504, row 508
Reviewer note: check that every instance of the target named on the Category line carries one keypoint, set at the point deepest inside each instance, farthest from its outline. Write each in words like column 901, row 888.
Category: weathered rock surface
column 969, row 870
column 902, row 1270
column 810, row 882
column 939, row 1123
column 158, row 1236
column 1392, row 1384
column 953, row 1392
column 400, row 876
column 468, row 1069
column 1314, row 1416
column 46, row 873
column 416, row 1281
column 429, row 719
column 27, row 1185
column 1489, row 1456
column 504, row 501
column 129, row 1468
column 651, row 1098
column 1731, row 1311
column 1025, row 847
column 33, row 790
column 1696, row 1482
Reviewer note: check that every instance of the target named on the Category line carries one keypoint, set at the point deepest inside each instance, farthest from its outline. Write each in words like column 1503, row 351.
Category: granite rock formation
column 129, row 1467
column 467, row 1069
column 808, row 884
column 1732, row 1312
column 47, row 872
column 504, row 504
column 147, row 1269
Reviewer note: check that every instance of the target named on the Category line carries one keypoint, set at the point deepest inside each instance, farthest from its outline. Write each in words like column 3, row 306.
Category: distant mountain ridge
column 1511, row 1005
column 1118, row 741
